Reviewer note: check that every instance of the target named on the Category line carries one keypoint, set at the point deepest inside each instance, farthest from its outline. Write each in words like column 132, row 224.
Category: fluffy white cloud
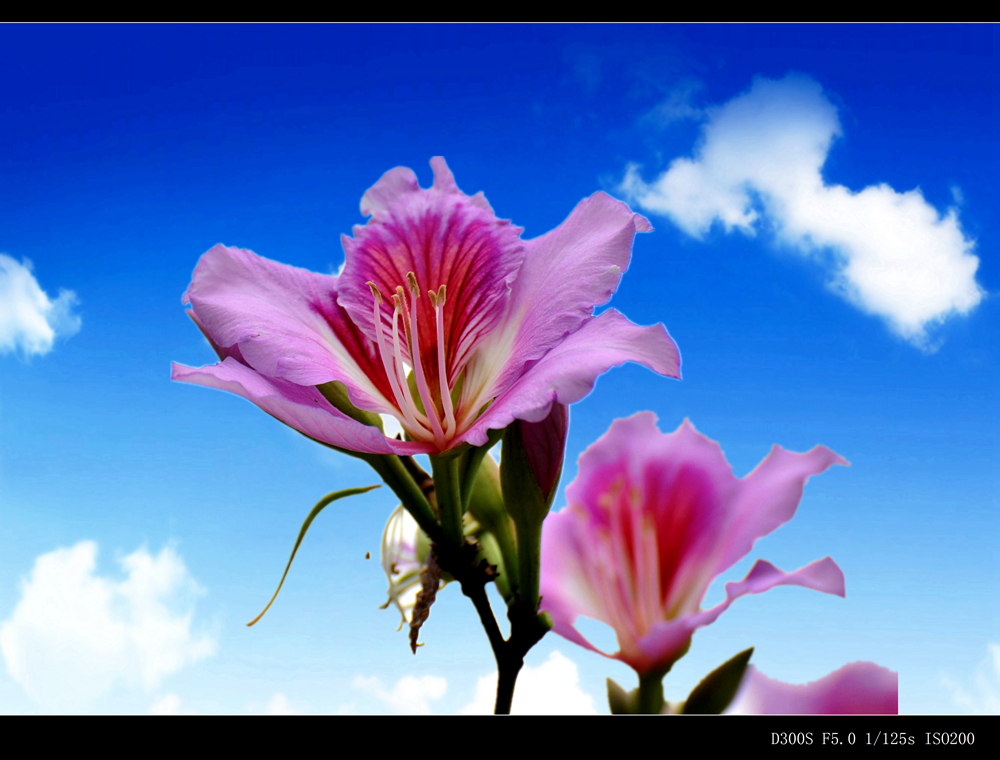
column 759, row 165
column 984, row 696
column 553, row 688
column 279, row 705
column 74, row 635
column 410, row 695
column 29, row 319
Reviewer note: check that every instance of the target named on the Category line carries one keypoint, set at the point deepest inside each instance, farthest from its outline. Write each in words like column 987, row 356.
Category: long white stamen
column 387, row 362
column 400, row 369
column 425, row 394
column 437, row 301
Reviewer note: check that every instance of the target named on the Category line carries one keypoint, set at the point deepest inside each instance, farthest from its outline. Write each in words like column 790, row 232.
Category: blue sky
column 825, row 256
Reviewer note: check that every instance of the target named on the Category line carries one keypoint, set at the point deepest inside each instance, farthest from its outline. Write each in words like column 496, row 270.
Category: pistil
column 437, row 301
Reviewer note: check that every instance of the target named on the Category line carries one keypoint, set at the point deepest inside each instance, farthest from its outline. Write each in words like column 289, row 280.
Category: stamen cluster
column 429, row 421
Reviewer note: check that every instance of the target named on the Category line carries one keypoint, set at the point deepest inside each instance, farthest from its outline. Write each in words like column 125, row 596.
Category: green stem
column 447, row 488
column 529, row 560
column 472, row 459
column 651, row 693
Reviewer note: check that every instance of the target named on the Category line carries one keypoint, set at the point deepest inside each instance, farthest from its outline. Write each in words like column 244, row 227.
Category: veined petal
column 768, row 497
column 666, row 639
column 287, row 324
column 444, row 238
column 860, row 688
column 566, row 273
column 565, row 586
column 651, row 517
column 681, row 481
column 301, row 407
column 567, row 373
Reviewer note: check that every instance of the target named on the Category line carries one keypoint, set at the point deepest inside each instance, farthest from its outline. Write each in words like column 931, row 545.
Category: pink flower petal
column 861, row 688
column 287, row 324
column 445, row 239
column 300, row 407
column 441, row 267
column 651, row 519
column 566, row 273
column 769, row 496
column 394, row 186
column 822, row 575
column 665, row 641
column 565, row 585
column 567, row 373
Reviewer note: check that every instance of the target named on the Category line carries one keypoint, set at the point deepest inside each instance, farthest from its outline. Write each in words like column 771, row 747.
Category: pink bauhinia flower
column 861, row 688
column 443, row 317
column 652, row 520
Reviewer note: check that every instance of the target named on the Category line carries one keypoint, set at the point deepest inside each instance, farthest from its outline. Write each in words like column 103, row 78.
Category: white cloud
column 410, row 695
column 169, row 704
column 984, row 696
column 30, row 321
column 279, row 705
column 74, row 635
column 553, row 688
column 759, row 166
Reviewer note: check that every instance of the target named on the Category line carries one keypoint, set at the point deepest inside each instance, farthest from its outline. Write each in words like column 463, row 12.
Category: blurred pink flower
column 861, row 688
column 652, row 520
column 443, row 317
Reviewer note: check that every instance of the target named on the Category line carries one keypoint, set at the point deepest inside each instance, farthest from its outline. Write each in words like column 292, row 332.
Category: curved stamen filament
column 422, row 387
column 400, row 368
column 437, row 301
column 387, row 361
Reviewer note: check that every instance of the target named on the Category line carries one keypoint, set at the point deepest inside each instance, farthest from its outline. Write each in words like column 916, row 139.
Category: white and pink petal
column 860, row 688
column 300, row 407
column 568, row 372
column 769, row 496
column 286, row 322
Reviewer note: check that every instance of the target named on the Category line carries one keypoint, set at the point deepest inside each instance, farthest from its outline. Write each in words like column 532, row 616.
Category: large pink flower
column 861, row 688
column 443, row 318
column 652, row 520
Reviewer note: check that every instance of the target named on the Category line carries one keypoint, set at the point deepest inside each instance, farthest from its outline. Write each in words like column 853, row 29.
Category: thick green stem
column 651, row 693
column 447, row 487
column 529, row 560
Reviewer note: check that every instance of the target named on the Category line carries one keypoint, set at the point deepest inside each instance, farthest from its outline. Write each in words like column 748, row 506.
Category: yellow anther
column 397, row 299
column 441, row 295
column 375, row 292
column 411, row 279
